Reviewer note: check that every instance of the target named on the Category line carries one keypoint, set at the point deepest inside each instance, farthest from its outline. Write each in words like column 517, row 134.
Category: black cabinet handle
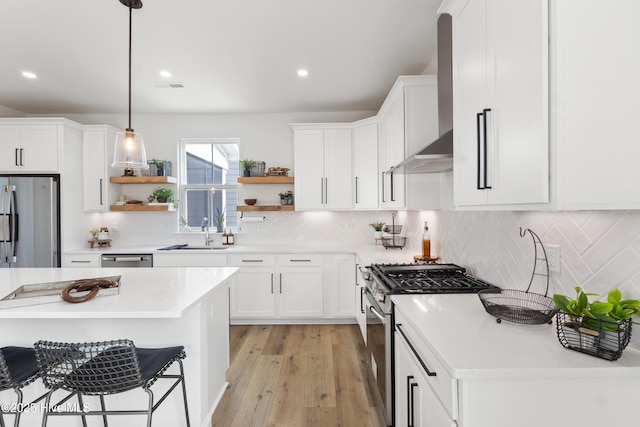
column 383, row 200
column 362, row 291
column 271, row 282
column 415, row 353
column 484, row 126
column 478, row 138
column 409, row 401
column 356, row 189
column 252, row 260
column 101, row 181
column 411, row 398
column 392, row 199
column 16, row 157
column 21, row 152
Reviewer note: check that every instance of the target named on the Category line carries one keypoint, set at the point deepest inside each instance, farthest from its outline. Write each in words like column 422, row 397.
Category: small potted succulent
column 218, row 220
column 247, row 164
column 599, row 328
column 286, row 198
column 161, row 194
column 377, row 227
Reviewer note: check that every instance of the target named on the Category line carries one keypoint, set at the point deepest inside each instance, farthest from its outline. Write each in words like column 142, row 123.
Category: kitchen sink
column 193, row 248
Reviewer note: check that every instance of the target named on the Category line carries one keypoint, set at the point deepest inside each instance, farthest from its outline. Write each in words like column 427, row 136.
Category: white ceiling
column 230, row 55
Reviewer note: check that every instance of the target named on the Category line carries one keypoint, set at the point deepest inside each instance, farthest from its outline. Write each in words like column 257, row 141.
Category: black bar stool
column 104, row 368
column 18, row 368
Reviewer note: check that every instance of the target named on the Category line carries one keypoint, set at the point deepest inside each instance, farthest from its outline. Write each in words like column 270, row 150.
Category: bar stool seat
column 18, row 368
column 104, row 368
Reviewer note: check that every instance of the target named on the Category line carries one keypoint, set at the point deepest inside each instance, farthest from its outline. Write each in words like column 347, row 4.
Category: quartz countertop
column 143, row 293
column 471, row 344
column 368, row 254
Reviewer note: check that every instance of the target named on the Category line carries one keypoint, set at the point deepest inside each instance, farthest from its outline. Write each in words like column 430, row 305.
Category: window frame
column 183, row 187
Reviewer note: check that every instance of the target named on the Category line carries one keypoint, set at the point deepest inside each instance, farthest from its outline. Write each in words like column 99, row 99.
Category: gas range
column 426, row 279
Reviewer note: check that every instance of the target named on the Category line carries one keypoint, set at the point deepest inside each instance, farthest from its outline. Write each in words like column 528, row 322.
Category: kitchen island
column 506, row 374
column 154, row 308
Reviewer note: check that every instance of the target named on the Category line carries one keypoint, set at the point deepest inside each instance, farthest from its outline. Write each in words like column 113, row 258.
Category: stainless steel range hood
column 437, row 156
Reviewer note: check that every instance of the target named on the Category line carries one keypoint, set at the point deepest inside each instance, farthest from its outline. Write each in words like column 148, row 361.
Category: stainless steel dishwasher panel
column 126, row 260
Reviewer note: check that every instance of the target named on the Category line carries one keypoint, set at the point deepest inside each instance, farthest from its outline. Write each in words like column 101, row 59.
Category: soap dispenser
column 426, row 242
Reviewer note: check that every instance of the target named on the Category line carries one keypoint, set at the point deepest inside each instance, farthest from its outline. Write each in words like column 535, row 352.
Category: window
column 208, row 186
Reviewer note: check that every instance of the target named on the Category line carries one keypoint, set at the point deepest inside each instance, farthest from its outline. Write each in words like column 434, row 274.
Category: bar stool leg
column 150, row 411
column 184, row 393
column 84, row 418
column 104, row 417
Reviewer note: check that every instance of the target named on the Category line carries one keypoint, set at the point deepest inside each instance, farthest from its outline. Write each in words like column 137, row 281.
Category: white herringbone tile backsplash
column 600, row 250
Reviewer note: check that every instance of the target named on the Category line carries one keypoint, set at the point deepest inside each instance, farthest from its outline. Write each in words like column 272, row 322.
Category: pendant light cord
column 130, row 38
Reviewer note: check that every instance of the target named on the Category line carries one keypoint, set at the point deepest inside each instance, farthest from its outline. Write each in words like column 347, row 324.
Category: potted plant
column 247, row 164
column 377, row 227
column 286, row 198
column 218, row 220
column 94, row 233
column 160, row 167
column 161, row 194
column 599, row 328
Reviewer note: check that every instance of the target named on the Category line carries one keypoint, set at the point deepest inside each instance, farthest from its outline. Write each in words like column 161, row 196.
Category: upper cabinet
column 27, row 145
column 500, row 83
column 97, row 148
column 365, row 161
column 322, row 158
column 408, row 122
column 537, row 122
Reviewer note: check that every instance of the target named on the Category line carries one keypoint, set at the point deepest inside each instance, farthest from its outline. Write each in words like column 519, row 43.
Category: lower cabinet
column 360, row 310
column 417, row 404
column 266, row 287
column 81, row 260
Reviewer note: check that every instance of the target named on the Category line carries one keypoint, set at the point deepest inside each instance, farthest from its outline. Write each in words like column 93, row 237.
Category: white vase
column 377, row 234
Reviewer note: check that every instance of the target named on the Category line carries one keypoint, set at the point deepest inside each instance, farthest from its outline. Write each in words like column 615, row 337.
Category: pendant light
column 129, row 152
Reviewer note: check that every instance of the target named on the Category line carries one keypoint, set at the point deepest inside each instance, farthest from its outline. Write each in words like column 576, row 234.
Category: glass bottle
column 426, row 242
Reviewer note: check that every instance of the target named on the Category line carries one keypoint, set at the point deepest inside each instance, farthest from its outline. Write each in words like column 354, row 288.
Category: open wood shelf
column 143, row 180
column 259, row 208
column 266, row 180
column 142, row 208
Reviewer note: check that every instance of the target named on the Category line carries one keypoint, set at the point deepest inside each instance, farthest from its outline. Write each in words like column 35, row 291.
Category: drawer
column 299, row 260
column 444, row 386
column 251, row 260
column 81, row 260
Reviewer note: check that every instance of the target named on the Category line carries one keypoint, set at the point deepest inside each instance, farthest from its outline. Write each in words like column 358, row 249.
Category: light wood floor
column 297, row 375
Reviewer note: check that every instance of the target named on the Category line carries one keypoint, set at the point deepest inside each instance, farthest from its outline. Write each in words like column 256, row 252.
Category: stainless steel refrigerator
column 29, row 221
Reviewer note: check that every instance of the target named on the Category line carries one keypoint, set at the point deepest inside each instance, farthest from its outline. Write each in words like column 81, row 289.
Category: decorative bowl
column 250, row 202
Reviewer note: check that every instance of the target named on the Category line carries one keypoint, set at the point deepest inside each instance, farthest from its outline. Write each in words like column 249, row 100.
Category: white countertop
column 143, row 293
column 471, row 344
column 368, row 254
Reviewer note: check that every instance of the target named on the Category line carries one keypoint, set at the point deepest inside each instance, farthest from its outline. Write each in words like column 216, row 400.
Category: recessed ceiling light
column 302, row 73
column 29, row 75
column 165, row 74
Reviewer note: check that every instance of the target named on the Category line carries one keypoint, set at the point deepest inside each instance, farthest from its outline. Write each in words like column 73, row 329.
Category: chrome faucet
column 205, row 227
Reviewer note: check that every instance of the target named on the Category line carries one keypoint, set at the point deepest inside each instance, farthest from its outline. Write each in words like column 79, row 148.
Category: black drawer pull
column 424, row 366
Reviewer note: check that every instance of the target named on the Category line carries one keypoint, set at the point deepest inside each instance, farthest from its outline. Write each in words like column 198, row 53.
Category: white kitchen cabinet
column 322, row 159
column 286, row 287
column 339, row 283
column 80, row 260
column 360, row 310
column 97, row 151
column 408, row 122
column 501, row 120
column 365, row 166
column 29, row 146
column 188, row 259
column 417, row 402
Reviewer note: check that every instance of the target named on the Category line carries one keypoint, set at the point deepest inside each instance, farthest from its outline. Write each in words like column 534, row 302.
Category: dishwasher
column 126, row 260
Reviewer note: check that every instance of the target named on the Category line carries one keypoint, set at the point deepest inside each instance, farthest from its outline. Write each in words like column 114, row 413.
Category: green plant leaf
column 561, row 302
column 599, row 307
column 582, row 301
column 614, row 296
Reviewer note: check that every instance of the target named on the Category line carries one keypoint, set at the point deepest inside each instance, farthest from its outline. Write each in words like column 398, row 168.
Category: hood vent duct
column 438, row 155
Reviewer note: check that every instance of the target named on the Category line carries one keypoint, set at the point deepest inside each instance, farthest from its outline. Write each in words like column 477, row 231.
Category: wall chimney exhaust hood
column 438, row 155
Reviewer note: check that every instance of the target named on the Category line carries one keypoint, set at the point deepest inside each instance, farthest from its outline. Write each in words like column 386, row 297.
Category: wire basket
column 602, row 339
column 392, row 229
column 516, row 306
column 257, row 169
column 524, row 307
column 394, row 241
column 153, row 169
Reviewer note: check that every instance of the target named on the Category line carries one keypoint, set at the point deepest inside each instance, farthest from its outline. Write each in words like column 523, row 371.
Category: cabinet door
column 501, row 102
column 365, row 167
column 40, row 148
column 96, row 178
column 300, row 292
column 360, row 310
column 337, row 169
column 394, row 153
column 416, row 402
column 309, row 169
column 252, row 294
column 10, row 142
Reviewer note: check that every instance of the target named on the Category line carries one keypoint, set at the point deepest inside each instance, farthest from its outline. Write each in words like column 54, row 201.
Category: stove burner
column 426, row 279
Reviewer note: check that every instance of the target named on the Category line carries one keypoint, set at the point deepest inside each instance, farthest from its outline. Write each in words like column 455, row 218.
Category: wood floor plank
column 313, row 375
column 258, row 398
